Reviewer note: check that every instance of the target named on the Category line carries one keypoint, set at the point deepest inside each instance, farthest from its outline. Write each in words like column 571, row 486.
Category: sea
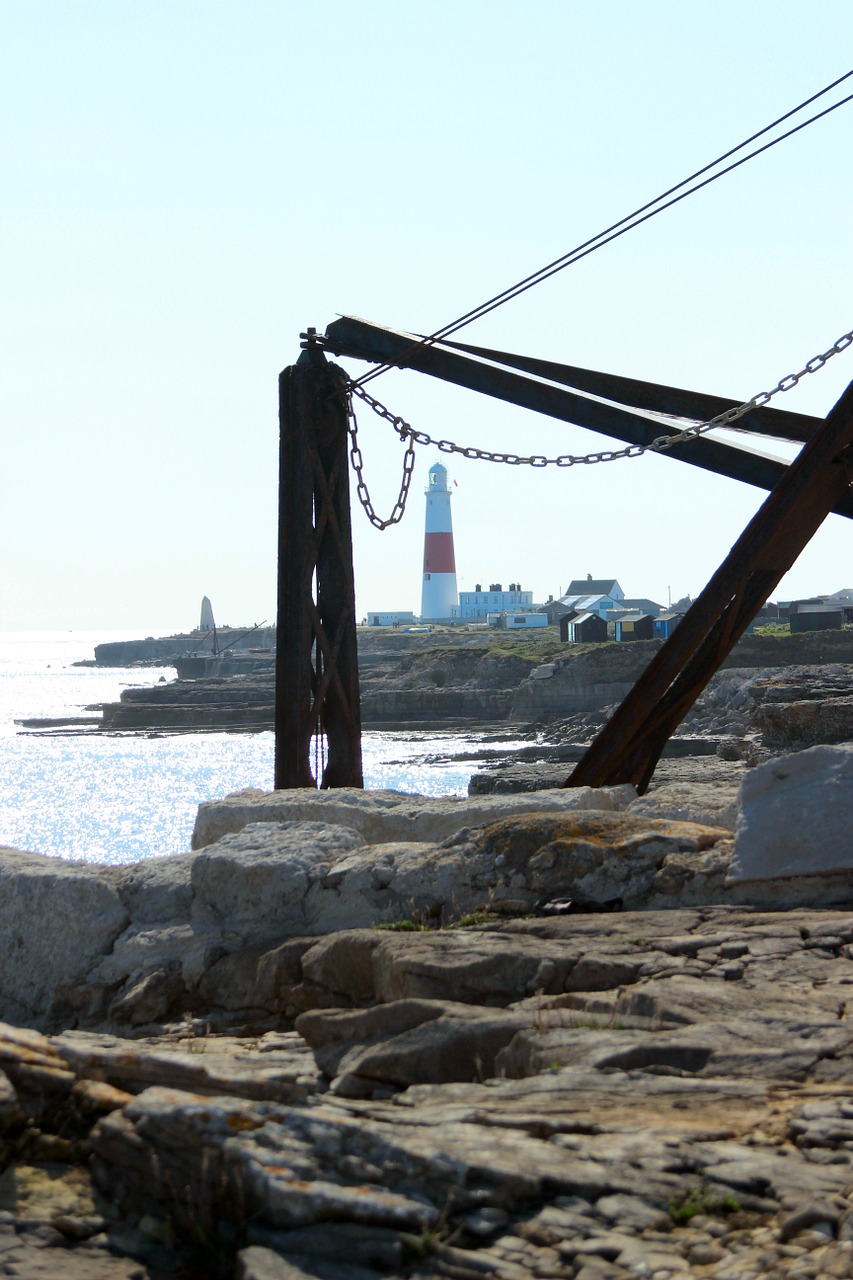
column 121, row 797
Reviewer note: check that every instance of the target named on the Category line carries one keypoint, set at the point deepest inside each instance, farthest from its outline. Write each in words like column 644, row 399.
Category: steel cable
column 643, row 214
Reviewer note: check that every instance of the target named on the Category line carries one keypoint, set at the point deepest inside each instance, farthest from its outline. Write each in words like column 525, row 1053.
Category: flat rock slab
column 271, row 881
column 275, row 1067
column 380, row 816
column 796, row 815
column 713, row 805
column 140, row 946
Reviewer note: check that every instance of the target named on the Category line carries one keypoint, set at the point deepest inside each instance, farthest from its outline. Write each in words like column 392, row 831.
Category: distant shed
column 633, row 626
column 666, row 624
column 585, row 628
column 817, row 617
column 391, row 618
column 508, row 621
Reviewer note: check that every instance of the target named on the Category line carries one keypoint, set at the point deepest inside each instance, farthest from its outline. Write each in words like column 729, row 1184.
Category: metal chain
column 659, row 445
column 404, row 431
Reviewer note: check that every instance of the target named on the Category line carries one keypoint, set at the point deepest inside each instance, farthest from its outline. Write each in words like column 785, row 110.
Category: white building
column 390, row 618
column 476, row 605
column 510, row 621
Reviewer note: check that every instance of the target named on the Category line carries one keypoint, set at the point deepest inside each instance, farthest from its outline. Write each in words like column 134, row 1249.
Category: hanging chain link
column 405, row 432
column 658, row 445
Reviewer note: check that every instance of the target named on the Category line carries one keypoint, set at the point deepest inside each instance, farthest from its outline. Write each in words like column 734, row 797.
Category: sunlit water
column 121, row 797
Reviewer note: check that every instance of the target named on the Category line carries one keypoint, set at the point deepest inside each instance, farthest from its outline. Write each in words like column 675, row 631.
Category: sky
column 186, row 187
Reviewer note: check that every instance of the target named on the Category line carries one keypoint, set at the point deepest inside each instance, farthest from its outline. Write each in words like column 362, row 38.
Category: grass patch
column 473, row 918
column 416, row 1248
column 700, row 1199
column 405, row 926
column 773, row 629
column 528, row 648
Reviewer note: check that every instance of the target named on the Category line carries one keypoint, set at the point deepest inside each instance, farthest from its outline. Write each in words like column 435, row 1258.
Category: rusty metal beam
column 696, row 406
column 317, row 688
column 630, row 744
column 350, row 336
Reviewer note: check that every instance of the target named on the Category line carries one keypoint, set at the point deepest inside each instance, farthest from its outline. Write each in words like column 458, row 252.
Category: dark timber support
column 630, row 744
column 317, row 691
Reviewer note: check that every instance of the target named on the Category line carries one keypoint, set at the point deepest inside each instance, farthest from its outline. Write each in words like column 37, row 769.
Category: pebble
column 702, row 1255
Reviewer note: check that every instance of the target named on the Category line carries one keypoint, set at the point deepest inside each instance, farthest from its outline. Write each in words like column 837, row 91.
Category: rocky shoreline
column 360, row 1035
column 560, row 693
column 536, row 1032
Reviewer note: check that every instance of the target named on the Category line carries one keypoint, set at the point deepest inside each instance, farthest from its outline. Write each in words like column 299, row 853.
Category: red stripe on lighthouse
column 438, row 553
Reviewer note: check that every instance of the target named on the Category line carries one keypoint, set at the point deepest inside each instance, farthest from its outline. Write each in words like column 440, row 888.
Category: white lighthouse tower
column 439, row 597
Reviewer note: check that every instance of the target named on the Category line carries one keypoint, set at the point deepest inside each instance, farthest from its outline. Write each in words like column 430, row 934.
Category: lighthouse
column 439, row 597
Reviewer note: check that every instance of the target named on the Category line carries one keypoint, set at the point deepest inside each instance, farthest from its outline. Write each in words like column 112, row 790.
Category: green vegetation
column 416, row 1248
column 418, row 922
column 700, row 1199
column 471, row 919
column 773, row 629
column 405, row 926
column 529, row 647
column 592, row 1024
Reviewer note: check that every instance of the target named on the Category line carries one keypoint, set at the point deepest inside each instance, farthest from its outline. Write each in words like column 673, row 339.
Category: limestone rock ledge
column 94, row 946
column 667, row 1095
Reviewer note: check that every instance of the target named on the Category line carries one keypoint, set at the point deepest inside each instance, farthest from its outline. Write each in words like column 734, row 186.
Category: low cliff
column 457, row 678
column 589, row 677
column 162, row 649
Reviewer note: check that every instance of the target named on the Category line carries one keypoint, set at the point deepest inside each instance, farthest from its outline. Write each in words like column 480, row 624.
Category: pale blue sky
column 184, row 186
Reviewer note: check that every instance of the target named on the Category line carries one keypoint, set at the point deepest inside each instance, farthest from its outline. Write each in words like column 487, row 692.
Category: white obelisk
column 439, row 597
column 206, row 622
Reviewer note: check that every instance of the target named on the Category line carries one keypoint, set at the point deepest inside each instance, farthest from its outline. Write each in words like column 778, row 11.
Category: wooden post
column 317, row 690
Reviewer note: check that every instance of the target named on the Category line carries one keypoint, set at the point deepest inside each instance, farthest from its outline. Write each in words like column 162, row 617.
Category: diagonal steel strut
column 629, row 746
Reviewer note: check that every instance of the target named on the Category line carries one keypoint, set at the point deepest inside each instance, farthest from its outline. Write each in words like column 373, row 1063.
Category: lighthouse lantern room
column 439, row 597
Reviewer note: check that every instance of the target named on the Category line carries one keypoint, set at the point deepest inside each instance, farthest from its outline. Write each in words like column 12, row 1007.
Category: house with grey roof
column 590, row 586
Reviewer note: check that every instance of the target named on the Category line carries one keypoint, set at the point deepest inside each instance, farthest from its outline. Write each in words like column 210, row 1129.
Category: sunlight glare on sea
column 119, row 798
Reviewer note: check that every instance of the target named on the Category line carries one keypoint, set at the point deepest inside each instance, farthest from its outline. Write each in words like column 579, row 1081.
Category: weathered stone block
column 56, row 921
column 796, row 815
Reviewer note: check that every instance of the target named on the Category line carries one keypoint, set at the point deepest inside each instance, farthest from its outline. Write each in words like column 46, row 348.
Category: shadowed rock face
column 800, row 708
